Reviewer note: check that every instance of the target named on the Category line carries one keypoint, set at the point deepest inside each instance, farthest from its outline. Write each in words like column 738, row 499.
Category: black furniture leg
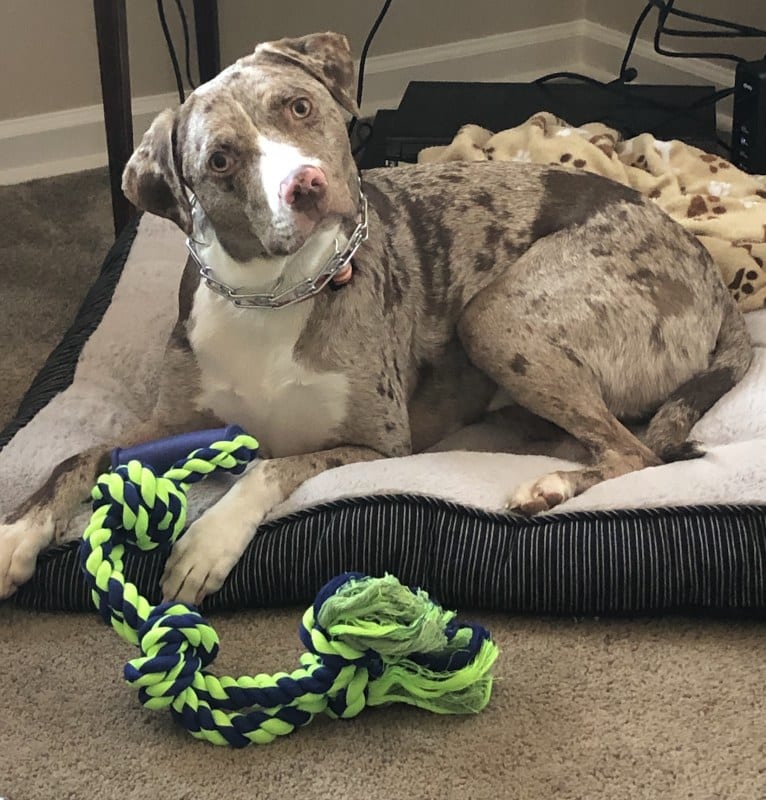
column 112, row 36
column 208, row 47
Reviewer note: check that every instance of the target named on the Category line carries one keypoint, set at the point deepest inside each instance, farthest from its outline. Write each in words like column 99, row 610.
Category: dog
column 344, row 317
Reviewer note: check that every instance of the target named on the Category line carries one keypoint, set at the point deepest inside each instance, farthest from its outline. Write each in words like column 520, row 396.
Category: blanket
column 116, row 382
column 723, row 206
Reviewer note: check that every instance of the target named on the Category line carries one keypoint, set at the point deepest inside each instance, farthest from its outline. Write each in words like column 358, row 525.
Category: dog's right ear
column 325, row 56
column 152, row 180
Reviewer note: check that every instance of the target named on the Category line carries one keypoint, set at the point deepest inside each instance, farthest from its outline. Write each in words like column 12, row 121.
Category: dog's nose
column 305, row 182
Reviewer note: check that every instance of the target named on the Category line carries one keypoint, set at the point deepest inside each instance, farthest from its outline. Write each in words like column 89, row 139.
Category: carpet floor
column 594, row 708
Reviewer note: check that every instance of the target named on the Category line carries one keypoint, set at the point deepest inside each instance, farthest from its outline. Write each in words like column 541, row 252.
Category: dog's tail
column 668, row 431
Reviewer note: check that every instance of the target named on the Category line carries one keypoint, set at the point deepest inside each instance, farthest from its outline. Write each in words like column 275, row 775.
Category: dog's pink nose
column 305, row 182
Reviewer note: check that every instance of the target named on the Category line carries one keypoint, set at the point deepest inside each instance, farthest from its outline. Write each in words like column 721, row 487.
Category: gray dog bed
column 689, row 536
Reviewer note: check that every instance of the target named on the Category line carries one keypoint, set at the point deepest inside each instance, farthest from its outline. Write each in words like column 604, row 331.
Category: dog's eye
column 220, row 161
column 301, row 108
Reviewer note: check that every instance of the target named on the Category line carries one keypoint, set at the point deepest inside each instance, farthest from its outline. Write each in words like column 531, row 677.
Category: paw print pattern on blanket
column 723, row 206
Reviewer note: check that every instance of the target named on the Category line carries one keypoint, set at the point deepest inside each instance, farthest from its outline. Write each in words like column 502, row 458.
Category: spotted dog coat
column 567, row 294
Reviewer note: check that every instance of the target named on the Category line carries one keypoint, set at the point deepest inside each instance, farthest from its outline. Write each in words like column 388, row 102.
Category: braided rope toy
column 371, row 641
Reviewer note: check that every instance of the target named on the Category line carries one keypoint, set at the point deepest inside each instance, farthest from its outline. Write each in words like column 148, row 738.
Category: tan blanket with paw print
column 723, row 206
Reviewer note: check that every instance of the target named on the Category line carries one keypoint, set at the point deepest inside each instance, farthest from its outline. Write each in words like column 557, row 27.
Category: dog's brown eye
column 220, row 162
column 301, row 108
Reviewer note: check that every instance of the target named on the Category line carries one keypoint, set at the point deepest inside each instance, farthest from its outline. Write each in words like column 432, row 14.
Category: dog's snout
column 305, row 182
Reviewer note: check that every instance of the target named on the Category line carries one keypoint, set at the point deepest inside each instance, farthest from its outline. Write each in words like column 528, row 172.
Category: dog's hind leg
column 548, row 379
column 668, row 431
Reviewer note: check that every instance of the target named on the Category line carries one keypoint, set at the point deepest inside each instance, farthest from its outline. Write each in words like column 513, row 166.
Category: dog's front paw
column 542, row 494
column 20, row 543
column 203, row 557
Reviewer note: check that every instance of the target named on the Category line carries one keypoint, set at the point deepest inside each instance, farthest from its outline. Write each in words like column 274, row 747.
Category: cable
column 709, row 34
column 745, row 30
column 171, row 51
column 685, row 54
column 360, row 78
column 633, row 36
column 664, row 12
column 617, row 87
column 363, row 60
column 365, row 49
column 665, row 9
column 187, row 49
column 576, row 76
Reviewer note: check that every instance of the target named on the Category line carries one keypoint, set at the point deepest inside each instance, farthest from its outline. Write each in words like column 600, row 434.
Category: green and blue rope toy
column 370, row 641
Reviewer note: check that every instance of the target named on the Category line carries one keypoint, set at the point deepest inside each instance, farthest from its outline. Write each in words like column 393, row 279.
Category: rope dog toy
column 370, row 641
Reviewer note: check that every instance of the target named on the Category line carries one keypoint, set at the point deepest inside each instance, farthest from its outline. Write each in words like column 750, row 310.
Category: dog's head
column 262, row 146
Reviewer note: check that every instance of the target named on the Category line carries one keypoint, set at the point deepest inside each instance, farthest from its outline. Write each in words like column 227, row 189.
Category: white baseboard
column 44, row 145
column 516, row 56
column 68, row 141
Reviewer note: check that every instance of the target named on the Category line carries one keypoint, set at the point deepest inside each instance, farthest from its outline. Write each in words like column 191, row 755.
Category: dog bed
column 686, row 537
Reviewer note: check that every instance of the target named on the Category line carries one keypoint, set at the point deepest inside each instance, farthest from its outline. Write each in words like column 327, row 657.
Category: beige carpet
column 582, row 709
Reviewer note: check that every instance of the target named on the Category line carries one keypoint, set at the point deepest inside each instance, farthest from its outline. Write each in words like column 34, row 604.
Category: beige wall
column 49, row 61
column 408, row 24
column 622, row 14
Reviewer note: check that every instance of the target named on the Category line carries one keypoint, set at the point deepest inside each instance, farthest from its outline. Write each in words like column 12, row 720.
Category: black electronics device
column 431, row 113
column 748, row 130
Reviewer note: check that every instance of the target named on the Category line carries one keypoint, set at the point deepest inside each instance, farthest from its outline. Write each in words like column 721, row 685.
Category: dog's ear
column 151, row 179
column 325, row 56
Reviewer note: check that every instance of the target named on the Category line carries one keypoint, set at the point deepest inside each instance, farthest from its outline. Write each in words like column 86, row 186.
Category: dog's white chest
column 250, row 376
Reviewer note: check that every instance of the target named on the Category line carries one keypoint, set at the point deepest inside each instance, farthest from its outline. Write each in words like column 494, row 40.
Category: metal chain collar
column 303, row 290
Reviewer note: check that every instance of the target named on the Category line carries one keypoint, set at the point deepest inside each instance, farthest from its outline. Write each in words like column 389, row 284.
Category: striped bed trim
column 701, row 559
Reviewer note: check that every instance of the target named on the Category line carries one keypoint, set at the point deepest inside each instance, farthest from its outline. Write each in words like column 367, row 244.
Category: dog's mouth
column 307, row 203
column 312, row 208
column 303, row 195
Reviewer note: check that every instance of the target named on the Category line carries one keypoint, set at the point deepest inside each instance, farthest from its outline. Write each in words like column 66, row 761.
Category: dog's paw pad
column 199, row 563
column 20, row 543
column 541, row 495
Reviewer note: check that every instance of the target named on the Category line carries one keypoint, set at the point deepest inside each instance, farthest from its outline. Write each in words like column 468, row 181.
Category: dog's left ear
column 151, row 179
column 325, row 56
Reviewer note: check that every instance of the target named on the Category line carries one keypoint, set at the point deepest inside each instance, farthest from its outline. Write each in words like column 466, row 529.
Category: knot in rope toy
column 370, row 641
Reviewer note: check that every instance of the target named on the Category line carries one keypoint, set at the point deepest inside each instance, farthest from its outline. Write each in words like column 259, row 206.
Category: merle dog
column 575, row 297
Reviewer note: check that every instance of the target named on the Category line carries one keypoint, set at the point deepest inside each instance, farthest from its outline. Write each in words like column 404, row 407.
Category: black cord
column 365, row 49
column 665, row 9
column 363, row 60
column 617, row 87
column 745, row 30
column 633, row 36
column 554, row 76
column 685, row 54
column 664, row 12
column 691, row 34
column 187, row 49
column 171, row 51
